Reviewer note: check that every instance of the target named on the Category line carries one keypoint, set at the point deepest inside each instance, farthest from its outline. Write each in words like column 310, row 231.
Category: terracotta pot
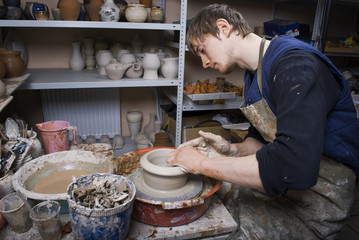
column 94, row 8
column 70, row 9
column 14, row 65
column 162, row 139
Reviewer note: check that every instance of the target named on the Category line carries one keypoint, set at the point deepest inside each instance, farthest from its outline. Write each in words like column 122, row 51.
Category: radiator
column 92, row 111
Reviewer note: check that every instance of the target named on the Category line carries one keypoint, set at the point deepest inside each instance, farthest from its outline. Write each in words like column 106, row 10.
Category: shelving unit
column 46, row 79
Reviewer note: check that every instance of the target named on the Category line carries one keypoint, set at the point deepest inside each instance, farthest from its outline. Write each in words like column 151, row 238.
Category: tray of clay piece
column 211, row 96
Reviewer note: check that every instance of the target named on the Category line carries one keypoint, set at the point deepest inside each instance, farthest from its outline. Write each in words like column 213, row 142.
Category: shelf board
column 189, row 105
column 88, row 24
column 66, row 79
column 341, row 52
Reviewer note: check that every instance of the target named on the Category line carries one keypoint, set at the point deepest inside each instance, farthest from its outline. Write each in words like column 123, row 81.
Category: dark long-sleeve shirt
column 303, row 92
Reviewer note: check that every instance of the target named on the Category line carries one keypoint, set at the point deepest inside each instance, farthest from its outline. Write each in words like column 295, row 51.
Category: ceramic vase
column 70, row 9
column 162, row 139
column 103, row 58
column 14, row 42
column 151, row 64
column 134, row 129
column 2, row 91
column 134, row 116
column 169, row 68
column 36, row 147
column 77, row 62
column 156, row 15
column 93, row 9
column 150, row 127
column 109, row 12
column 14, row 65
column 90, row 62
column 136, row 13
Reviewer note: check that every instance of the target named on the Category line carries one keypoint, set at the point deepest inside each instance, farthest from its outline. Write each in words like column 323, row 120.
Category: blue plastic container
column 111, row 223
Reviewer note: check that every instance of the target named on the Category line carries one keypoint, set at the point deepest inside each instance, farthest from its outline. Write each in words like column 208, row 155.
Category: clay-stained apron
column 259, row 114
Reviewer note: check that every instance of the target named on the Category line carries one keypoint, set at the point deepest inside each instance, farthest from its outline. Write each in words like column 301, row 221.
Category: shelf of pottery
column 97, row 65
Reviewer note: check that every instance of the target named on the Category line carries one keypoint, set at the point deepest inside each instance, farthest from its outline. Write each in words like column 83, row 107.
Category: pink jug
column 55, row 135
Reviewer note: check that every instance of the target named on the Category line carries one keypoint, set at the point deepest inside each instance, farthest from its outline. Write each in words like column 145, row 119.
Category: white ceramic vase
column 169, row 67
column 109, row 12
column 134, row 128
column 77, row 62
column 151, row 64
column 103, row 58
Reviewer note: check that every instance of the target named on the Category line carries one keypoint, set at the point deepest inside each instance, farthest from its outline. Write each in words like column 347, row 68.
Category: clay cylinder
column 14, row 65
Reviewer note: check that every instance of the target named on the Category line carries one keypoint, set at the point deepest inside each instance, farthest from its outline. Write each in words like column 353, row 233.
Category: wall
column 51, row 48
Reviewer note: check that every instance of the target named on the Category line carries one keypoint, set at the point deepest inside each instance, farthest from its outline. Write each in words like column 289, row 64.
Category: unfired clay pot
column 158, row 175
column 116, row 70
column 151, row 64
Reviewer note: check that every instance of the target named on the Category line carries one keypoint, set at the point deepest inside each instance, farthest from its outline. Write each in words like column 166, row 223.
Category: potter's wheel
column 190, row 190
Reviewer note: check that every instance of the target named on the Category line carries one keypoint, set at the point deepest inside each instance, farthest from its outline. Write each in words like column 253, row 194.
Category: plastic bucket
column 108, row 223
column 55, row 135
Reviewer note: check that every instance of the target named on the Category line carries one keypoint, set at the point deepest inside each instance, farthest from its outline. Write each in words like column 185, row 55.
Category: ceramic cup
column 56, row 14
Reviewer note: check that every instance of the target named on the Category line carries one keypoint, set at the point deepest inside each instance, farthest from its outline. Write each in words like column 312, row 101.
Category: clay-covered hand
column 217, row 143
column 186, row 157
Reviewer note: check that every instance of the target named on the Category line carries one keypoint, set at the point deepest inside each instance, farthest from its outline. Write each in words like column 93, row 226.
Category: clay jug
column 93, row 9
column 150, row 127
column 162, row 139
column 70, row 9
column 14, row 65
column 169, row 67
column 76, row 62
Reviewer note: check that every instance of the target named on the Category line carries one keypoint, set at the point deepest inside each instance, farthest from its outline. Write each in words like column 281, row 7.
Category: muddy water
column 57, row 182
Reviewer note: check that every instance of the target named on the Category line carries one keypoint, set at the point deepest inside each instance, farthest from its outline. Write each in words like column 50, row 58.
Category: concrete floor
column 351, row 229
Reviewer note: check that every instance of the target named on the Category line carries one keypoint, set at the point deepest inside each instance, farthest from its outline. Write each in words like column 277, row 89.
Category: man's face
column 214, row 54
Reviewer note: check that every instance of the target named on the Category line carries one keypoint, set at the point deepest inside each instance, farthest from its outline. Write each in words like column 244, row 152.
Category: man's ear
column 224, row 27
